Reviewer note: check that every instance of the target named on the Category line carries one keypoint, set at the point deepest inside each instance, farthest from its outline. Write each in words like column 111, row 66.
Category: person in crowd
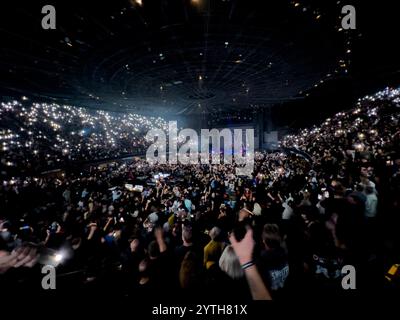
column 213, row 250
column 274, row 261
column 187, row 243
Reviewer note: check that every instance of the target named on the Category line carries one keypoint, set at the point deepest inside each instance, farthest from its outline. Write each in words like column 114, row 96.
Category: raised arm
column 244, row 252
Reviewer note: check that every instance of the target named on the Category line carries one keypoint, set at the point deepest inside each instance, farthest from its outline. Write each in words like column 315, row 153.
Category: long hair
column 229, row 263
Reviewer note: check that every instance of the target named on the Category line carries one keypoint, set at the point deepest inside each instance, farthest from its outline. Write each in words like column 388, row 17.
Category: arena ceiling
column 172, row 57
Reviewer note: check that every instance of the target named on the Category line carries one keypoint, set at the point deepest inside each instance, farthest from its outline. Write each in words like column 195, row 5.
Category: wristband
column 247, row 265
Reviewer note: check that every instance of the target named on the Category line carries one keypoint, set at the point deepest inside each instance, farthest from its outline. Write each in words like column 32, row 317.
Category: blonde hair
column 229, row 263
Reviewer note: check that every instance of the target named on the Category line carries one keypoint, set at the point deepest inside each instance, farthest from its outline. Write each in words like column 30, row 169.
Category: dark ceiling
column 182, row 57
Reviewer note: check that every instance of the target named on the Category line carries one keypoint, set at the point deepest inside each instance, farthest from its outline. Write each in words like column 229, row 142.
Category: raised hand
column 244, row 248
column 25, row 256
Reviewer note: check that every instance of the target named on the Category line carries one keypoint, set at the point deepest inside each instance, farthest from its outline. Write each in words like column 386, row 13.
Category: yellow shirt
column 212, row 253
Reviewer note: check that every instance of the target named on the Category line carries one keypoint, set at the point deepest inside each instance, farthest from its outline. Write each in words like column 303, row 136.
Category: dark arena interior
column 199, row 150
